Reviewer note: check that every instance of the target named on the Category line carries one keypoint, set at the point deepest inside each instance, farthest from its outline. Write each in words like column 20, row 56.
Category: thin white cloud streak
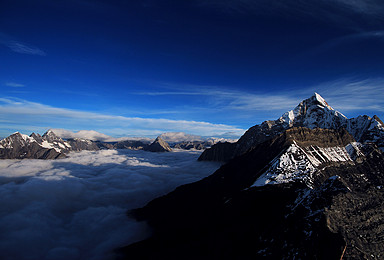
column 366, row 7
column 92, row 135
column 346, row 95
column 354, row 95
column 83, row 134
column 339, row 12
column 222, row 98
column 24, row 112
column 14, row 85
column 343, row 40
column 20, row 47
column 24, row 49
column 75, row 208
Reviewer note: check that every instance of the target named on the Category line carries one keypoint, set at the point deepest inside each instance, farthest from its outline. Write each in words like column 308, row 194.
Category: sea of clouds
column 75, row 208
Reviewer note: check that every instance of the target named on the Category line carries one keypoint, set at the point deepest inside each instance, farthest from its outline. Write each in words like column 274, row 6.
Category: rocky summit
column 159, row 145
column 309, row 185
column 312, row 113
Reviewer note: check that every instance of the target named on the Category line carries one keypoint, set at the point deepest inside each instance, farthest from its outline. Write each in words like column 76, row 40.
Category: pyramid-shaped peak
column 319, row 100
column 50, row 136
column 159, row 145
column 50, row 133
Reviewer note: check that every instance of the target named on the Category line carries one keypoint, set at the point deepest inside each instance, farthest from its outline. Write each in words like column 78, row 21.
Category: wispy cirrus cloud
column 20, row 47
column 224, row 98
column 345, row 94
column 14, row 85
column 330, row 11
column 350, row 94
column 342, row 40
column 366, row 7
column 21, row 114
column 25, row 49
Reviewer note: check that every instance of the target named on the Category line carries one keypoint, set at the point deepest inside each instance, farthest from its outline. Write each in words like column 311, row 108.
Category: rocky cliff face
column 312, row 113
column 299, row 193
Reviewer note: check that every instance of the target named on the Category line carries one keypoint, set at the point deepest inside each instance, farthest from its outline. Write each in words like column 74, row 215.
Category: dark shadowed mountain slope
column 303, row 194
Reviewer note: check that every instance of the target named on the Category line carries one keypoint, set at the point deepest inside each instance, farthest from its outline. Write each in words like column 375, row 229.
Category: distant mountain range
column 35, row 146
column 309, row 185
column 51, row 146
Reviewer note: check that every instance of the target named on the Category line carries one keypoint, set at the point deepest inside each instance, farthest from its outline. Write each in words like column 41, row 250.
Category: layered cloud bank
column 75, row 208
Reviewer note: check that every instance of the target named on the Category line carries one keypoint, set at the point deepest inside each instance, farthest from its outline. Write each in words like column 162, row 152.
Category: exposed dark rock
column 159, row 145
column 219, row 152
column 105, row 145
column 131, row 144
column 188, row 145
column 37, row 137
column 78, row 144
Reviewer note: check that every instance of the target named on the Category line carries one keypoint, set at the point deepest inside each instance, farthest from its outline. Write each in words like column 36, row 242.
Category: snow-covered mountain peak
column 312, row 113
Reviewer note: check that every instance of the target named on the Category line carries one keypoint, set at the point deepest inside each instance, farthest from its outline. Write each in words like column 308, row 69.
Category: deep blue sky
column 206, row 67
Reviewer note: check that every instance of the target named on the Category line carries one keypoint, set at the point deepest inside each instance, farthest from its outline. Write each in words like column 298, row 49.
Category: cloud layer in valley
column 75, row 208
